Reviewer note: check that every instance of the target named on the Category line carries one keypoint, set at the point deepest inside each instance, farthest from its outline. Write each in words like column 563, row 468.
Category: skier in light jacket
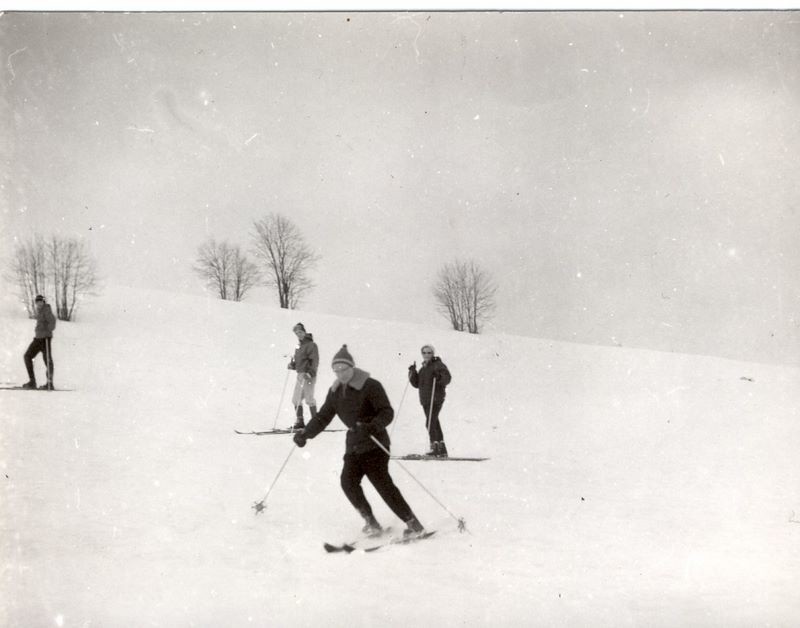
column 305, row 362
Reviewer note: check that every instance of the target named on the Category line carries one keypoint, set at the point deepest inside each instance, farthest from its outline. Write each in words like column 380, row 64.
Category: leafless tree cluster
column 226, row 269
column 287, row 258
column 58, row 268
column 465, row 294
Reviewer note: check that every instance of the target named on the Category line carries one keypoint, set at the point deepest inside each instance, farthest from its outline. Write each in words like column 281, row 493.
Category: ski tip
column 344, row 547
column 422, row 535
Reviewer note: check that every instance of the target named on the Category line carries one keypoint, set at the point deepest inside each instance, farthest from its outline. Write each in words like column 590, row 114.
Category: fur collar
column 357, row 381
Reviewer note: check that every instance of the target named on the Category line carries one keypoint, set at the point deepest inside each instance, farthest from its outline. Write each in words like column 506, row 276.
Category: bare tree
column 288, row 260
column 27, row 269
column 74, row 274
column 465, row 294
column 225, row 269
column 245, row 275
column 59, row 268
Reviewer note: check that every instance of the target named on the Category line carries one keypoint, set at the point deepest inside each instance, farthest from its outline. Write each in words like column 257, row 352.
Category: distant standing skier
column 42, row 343
column 432, row 377
column 305, row 362
column 362, row 405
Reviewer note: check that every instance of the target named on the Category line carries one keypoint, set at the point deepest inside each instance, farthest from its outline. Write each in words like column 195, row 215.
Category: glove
column 290, row 366
column 299, row 438
column 413, row 367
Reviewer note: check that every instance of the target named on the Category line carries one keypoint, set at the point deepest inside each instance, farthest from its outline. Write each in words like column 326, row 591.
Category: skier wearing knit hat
column 362, row 405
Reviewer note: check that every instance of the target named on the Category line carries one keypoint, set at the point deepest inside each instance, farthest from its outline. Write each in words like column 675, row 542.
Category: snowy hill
column 624, row 487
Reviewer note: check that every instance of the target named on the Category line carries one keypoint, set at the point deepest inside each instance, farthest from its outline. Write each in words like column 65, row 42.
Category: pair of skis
column 40, row 389
column 438, row 458
column 277, row 430
column 377, row 543
column 290, row 430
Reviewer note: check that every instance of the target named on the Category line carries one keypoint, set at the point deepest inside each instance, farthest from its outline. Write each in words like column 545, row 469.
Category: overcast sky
column 627, row 177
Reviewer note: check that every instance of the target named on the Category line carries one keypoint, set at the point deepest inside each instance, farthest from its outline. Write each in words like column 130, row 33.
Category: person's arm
column 324, row 417
column 51, row 321
column 413, row 376
column 382, row 409
column 313, row 356
column 442, row 374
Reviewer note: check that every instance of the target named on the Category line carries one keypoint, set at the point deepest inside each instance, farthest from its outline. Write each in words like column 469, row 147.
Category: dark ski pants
column 45, row 347
column 432, row 421
column 375, row 465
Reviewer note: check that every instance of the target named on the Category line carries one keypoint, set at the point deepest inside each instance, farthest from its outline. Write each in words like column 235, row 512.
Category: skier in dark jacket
column 42, row 343
column 362, row 405
column 305, row 362
column 432, row 377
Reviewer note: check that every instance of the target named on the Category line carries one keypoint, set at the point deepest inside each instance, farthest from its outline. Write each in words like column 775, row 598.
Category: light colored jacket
column 306, row 357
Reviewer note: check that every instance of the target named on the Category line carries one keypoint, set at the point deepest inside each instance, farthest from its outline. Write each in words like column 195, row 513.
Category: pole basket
column 259, row 507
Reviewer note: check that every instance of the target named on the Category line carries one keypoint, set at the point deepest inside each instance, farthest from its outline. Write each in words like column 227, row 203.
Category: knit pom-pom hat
column 343, row 357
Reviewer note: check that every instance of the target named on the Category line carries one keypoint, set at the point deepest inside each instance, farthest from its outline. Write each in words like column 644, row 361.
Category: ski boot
column 372, row 527
column 299, row 423
column 414, row 528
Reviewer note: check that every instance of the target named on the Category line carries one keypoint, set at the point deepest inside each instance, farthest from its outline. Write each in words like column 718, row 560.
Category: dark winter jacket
column 45, row 322
column 306, row 356
column 423, row 379
column 361, row 400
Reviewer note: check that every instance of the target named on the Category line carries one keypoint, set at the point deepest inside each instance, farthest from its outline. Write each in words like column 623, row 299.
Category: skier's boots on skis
column 299, row 423
column 414, row 528
column 372, row 527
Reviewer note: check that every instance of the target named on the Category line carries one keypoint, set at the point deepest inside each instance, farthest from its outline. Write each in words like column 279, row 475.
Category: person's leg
column 427, row 410
column 297, row 402
column 436, row 427
column 33, row 350
column 308, row 395
column 376, row 465
column 352, row 474
column 307, row 392
column 437, row 436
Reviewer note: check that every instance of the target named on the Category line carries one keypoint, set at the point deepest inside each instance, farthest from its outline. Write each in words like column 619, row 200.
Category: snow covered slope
column 624, row 487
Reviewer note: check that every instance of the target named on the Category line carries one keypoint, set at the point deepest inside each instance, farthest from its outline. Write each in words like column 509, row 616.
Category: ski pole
column 430, row 411
column 397, row 414
column 283, row 394
column 462, row 525
column 261, row 505
column 47, row 371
